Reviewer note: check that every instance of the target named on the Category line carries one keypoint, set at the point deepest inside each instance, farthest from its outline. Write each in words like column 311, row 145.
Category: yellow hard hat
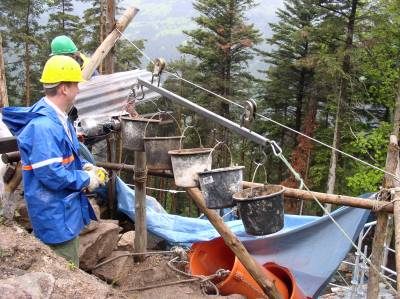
column 60, row 68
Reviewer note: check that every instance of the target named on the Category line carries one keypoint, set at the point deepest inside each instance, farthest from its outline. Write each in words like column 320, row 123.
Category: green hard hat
column 63, row 45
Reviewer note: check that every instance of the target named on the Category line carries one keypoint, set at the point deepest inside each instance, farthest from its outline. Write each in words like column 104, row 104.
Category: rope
column 132, row 254
column 162, row 190
column 140, row 175
column 220, row 273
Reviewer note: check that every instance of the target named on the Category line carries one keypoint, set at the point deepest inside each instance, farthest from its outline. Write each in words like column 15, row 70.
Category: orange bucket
column 208, row 257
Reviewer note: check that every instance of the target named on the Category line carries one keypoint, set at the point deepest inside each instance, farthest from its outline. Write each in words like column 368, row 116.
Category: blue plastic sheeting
column 185, row 230
column 310, row 247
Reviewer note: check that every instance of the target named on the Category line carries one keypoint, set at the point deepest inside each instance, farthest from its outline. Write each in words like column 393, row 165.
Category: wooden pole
column 109, row 42
column 396, row 217
column 382, row 221
column 109, row 27
column 140, row 205
column 3, row 85
column 235, row 245
column 363, row 203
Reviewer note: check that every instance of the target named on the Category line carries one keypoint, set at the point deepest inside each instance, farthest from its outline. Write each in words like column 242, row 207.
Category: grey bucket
column 218, row 186
column 157, row 149
column 261, row 209
column 187, row 163
column 133, row 130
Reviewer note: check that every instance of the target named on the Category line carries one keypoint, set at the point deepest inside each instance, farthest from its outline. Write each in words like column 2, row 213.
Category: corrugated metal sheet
column 107, row 94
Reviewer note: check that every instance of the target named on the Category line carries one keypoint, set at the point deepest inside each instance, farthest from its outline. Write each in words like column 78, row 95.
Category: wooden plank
column 363, row 203
column 382, row 222
column 140, row 205
column 235, row 245
column 8, row 144
column 109, row 42
column 396, row 216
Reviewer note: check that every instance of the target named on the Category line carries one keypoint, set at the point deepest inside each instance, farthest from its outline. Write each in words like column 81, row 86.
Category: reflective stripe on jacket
column 52, row 173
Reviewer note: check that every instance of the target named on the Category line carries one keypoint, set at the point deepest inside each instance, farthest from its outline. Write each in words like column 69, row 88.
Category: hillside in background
column 161, row 23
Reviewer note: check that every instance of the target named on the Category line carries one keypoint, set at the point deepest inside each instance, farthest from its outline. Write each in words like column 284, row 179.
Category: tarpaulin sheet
column 311, row 247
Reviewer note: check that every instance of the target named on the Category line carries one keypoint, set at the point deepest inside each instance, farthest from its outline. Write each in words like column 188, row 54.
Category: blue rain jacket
column 52, row 173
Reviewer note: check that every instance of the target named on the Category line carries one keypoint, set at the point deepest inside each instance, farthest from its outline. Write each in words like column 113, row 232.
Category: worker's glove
column 100, row 171
column 94, row 181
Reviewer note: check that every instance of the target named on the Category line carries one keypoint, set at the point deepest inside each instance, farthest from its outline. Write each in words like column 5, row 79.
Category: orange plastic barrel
column 208, row 257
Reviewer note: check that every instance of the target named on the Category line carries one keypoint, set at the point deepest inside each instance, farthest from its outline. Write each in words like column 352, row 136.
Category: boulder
column 126, row 241
column 97, row 244
column 113, row 271
column 34, row 285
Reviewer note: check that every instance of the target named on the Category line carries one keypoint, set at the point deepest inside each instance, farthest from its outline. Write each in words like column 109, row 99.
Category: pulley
column 159, row 65
column 249, row 114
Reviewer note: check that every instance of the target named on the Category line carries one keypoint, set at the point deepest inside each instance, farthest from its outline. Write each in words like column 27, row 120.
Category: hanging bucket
column 208, row 257
column 187, row 163
column 157, row 148
column 218, row 185
column 261, row 209
column 132, row 130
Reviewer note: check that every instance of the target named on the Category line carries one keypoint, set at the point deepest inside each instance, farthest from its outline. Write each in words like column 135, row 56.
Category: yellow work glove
column 94, row 181
column 102, row 175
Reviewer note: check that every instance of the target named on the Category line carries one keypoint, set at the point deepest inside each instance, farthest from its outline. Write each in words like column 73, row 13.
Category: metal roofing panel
column 107, row 94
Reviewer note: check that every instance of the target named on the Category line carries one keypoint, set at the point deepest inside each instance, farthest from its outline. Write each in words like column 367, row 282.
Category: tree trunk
column 341, row 99
column 3, row 82
column 27, row 58
column 301, row 154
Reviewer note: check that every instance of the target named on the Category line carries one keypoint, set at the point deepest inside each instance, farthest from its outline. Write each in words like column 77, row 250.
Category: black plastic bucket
column 261, row 209
column 218, row 186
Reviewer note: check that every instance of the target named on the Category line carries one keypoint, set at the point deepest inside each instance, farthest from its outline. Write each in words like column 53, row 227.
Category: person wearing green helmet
column 63, row 45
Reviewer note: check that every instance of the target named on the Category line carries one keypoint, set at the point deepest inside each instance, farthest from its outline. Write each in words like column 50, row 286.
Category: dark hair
column 51, row 92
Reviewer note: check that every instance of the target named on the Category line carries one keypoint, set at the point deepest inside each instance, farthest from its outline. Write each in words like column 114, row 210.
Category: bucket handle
column 227, row 147
column 160, row 113
column 183, row 135
column 254, row 176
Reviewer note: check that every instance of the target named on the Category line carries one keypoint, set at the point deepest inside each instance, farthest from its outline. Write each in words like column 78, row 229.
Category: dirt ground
column 21, row 253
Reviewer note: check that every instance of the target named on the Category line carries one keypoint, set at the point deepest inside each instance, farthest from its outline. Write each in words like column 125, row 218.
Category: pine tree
column 62, row 21
column 222, row 46
column 20, row 20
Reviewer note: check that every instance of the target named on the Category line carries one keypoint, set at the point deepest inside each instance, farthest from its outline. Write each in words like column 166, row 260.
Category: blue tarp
column 311, row 247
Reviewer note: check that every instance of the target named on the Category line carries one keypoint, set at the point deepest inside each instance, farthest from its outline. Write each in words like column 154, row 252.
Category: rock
column 155, row 243
column 22, row 217
column 34, row 285
column 97, row 244
column 126, row 241
column 113, row 271
column 153, row 275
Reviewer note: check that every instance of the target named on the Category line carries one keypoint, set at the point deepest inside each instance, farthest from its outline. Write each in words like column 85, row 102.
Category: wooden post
column 109, row 27
column 109, row 42
column 382, row 221
column 3, row 85
column 396, row 217
column 235, row 245
column 140, row 205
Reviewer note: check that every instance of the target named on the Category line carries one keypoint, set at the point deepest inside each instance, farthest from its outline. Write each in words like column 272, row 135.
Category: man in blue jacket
column 53, row 173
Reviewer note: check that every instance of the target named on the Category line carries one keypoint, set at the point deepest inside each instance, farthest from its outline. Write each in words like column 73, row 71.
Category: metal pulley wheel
column 250, row 110
column 159, row 65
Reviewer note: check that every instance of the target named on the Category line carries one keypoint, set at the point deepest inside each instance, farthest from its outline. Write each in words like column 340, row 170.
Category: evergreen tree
column 222, row 46
column 20, row 21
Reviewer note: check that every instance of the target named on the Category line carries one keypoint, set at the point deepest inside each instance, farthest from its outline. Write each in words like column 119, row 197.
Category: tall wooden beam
column 235, row 245
column 109, row 42
column 109, row 27
column 342, row 200
column 382, row 221
column 3, row 84
column 140, row 177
